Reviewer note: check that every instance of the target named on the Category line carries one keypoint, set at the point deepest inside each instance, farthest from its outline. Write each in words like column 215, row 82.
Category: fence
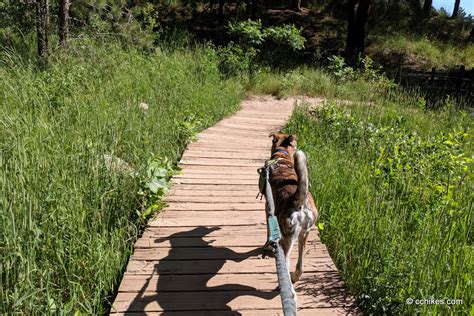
column 448, row 82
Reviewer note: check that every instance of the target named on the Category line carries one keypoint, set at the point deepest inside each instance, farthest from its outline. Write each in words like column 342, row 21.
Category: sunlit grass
column 394, row 233
column 67, row 220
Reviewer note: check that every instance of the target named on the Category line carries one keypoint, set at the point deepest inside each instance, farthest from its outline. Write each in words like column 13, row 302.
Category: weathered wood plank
column 222, row 300
column 207, row 241
column 237, row 193
column 193, row 175
column 209, row 231
column 207, row 218
column 226, row 155
column 251, row 265
column 214, row 181
column 215, row 253
column 222, row 162
column 208, row 282
column 217, row 187
column 226, row 206
column 255, row 312
column 250, row 198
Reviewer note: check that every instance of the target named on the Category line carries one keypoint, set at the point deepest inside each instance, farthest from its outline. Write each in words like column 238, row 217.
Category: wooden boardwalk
column 202, row 256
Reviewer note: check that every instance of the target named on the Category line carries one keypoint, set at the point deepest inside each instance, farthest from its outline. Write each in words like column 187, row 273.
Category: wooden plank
column 250, row 126
column 226, row 206
column 207, row 241
column 214, row 181
column 215, row 253
column 214, row 199
column 208, row 282
column 221, row 300
column 265, row 120
column 219, row 170
column 227, row 155
column 222, row 130
column 208, row 231
column 207, row 218
column 328, row 311
column 238, row 193
column 194, row 175
column 252, row 265
column 222, row 162
column 227, row 148
column 217, row 187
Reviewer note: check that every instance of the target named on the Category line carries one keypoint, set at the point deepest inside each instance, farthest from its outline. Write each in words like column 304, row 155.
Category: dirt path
column 202, row 255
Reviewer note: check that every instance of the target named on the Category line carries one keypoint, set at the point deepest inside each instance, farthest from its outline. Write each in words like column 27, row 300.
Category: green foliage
column 286, row 35
column 266, row 45
column 341, row 71
column 393, row 184
column 249, row 32
column 366, row 71
column 155, row 185
column 75, row 143
column 234, row 60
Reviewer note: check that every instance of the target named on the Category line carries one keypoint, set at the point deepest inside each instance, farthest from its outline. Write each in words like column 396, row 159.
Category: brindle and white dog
column 294, row 204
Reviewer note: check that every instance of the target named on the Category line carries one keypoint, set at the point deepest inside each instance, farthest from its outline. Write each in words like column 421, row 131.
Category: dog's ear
column 275, row 136
column 292, row 140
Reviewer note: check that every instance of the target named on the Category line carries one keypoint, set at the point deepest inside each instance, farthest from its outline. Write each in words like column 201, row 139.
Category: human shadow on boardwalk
column 184, row 274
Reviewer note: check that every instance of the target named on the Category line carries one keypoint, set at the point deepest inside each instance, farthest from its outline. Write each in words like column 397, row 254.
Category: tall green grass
column 68, row 219
column 422, row 53
column 393, row 183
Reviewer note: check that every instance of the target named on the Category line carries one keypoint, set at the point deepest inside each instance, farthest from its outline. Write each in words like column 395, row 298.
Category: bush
column 267, row 45
column 234, row 60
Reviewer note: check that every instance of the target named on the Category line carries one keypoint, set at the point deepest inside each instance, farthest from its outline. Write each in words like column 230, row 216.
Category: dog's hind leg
column 302, row 239
column 287, row 244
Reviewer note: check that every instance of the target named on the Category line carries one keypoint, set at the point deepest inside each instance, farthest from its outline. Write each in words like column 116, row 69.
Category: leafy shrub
column 340, row 70
column 269, row 45
column 249, row 32
column 235, row 60
column 155, row 184
column 366, row 70
column 286, row 35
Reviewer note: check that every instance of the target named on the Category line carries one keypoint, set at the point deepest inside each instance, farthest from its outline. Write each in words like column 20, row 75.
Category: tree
column 358, row 15
column 296, row 5
column 42, row 26
column 427, row 8
column 63, row 21
column 456, row 8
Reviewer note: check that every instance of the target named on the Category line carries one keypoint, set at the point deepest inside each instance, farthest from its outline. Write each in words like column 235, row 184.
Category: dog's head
column 283, row 143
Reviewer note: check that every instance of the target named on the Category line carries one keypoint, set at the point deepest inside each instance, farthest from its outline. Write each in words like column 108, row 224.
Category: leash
column 274, row 236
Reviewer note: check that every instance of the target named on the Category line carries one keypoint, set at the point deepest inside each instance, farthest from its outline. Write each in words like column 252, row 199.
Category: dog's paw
column 267, row 253
column 295, row 276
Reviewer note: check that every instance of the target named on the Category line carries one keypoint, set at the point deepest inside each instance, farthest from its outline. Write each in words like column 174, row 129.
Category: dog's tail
column 302, row 172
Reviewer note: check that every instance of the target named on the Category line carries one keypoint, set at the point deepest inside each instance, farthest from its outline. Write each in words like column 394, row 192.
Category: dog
column 294, row 205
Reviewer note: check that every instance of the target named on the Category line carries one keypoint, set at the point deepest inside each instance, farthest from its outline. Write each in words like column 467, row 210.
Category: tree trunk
column 296, row 5
column 427, row 8
column 357, row 21
column 63, row 21
column 351, row 30
column 42, row 26
column 456, row 8
column 220, row 11
column 254, row 8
